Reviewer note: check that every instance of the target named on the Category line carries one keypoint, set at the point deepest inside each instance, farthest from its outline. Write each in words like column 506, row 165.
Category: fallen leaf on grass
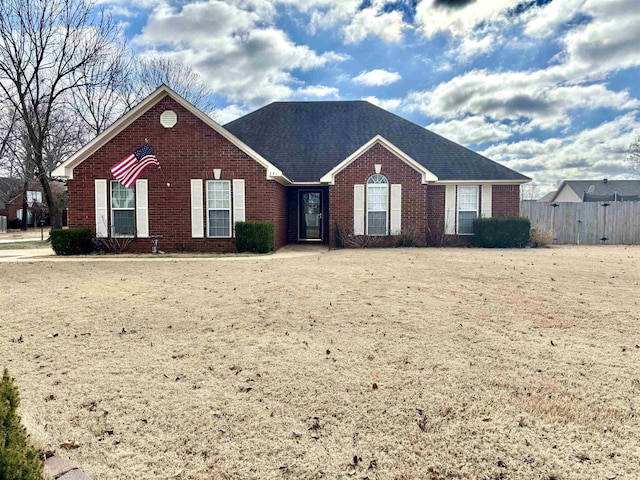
column 70, row 445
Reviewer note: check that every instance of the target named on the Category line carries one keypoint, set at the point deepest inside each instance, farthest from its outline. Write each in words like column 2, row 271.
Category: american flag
column 130, row 168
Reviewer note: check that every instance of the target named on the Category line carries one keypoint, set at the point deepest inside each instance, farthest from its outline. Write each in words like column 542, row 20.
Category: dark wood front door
column 310, row 206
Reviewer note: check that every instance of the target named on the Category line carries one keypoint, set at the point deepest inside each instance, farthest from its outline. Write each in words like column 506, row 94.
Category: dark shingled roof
column 307, row 139
column 602, row 190
column 9, row 188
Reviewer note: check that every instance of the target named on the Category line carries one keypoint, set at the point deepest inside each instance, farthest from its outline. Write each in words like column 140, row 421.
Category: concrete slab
column 57, row 466
column 75, row 475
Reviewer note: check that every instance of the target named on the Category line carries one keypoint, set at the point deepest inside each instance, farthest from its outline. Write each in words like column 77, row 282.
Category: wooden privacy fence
column 588, row 223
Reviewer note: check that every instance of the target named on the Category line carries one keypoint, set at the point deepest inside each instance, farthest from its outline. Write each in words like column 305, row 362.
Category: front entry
column 310, row 220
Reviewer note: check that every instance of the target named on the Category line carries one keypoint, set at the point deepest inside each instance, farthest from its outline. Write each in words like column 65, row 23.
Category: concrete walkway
column 46, row 255
column 18, row 240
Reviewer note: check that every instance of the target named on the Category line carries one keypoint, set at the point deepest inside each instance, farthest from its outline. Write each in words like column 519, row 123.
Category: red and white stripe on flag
column 129, row 169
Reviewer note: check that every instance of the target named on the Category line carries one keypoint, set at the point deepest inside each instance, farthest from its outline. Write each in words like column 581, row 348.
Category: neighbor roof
column 9, row 188
column 307, row 139
column 598, row 190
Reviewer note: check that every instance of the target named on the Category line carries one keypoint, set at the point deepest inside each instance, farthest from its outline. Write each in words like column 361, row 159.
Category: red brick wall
column 435, row 214
column 505, row 201
column 191, row 149
column 414, row 193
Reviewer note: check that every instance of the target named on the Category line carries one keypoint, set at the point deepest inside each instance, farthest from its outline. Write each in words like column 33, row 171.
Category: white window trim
column 230, row 209
column 477, row 210
column 366, row 207
column 112, row 234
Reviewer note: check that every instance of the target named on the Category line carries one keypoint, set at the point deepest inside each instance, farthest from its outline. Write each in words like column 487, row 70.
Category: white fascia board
column 65, row 170
column 427, row 176
column 481, row 182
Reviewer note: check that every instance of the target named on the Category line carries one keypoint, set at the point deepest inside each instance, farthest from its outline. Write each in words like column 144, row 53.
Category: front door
column 310, row 202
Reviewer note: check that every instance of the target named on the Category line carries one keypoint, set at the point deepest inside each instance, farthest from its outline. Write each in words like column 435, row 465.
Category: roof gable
column 308, row 139
column 427, row 176
column 65, row 170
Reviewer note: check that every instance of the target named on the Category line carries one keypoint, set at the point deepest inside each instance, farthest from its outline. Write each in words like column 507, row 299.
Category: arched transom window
column 377, row 205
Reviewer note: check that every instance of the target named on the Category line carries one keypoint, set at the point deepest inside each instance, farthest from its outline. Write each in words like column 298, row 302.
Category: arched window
column 377, row 205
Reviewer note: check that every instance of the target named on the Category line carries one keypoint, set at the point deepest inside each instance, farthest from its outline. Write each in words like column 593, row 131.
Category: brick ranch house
column 308, row 167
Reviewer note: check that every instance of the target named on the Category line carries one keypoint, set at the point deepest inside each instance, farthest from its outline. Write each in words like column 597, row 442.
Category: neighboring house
column 12, row 196
column 597, row 191
column 547, row 197
column 9, row 187
column 308, row 167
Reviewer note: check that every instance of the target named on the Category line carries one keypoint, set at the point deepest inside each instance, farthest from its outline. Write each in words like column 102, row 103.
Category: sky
column 549, row 88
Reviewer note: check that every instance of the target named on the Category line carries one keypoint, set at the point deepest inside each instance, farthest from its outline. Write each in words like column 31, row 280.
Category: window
column 467, row 209
column 34, row 197
column 219, row 208
column 123, row 213
column 377, row 204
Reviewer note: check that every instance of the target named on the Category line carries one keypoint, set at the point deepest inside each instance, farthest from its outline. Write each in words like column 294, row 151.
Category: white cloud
column 543, row 21
column 229, row 113
column 431, row 18
column 536, row 96
column 387, row 26
column 597, row 152
column 318, row 91
column 356, row 23
column 386, row 103
column 234, row 46
column 472, row 130
column 471, row 46
column 377, row 78
column 609, row 42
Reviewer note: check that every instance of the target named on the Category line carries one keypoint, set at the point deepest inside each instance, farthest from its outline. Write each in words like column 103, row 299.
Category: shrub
column 541, row 238
column 349, row 240
column 501, row 232
column 338, row 237
column 14, row 224
column 408, row 237
column 256, row 237
column 18, row 459
column 115, row 245
column 72, row 241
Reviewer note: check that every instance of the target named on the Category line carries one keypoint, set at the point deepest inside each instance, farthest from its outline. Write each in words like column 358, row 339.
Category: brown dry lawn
column 379, row 364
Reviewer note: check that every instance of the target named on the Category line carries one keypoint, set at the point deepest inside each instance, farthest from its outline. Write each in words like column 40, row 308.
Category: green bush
column 501, row 232
column 72, row 241
column 255, row 237
column 338, row 237
column 18, row 459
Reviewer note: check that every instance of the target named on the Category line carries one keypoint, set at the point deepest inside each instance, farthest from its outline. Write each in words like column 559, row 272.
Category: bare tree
column 47, row 49
column 148, row 73
column 529, row 191
column 633, row 155
column 98, row 104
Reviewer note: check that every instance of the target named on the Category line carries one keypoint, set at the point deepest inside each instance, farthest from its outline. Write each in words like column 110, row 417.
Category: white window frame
column 386, row 210
column 112, row 233
column 34, row 196
column 458, row 209
column 229, row 209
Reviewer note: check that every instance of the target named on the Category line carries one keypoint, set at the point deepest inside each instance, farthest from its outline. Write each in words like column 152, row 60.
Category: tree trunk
column 55, row 214
column 25, row 207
